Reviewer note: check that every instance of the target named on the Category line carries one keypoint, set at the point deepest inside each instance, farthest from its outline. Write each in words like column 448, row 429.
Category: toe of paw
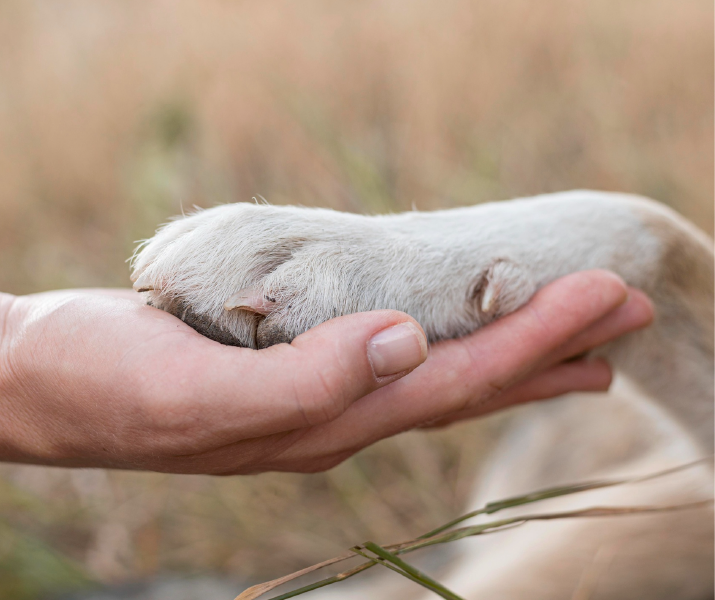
column 212, row 328
column 503, row 288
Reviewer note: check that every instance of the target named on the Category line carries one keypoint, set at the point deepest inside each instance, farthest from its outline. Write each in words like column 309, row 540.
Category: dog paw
column 255, row 275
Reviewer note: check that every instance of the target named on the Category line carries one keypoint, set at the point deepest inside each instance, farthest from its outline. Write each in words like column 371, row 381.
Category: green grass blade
column 327, row 581
column 598, row 511
column 555, row 492
column 388, row 565
column 416, row 575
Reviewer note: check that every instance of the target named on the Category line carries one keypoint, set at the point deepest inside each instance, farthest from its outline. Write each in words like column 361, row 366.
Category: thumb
column 325, row 370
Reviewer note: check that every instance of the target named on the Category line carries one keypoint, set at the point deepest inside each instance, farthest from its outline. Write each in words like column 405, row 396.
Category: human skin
column 95, row 378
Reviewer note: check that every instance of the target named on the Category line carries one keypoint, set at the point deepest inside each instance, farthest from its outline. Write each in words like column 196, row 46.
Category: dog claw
column 142, row 284
column 489, row 298
column 250, row 299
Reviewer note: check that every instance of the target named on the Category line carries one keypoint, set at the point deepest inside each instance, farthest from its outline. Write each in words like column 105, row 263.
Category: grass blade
column 555, row 492
column 441, row 535
column 598, row 511
column 323, row 582
column 416, row 575
column 263, row 588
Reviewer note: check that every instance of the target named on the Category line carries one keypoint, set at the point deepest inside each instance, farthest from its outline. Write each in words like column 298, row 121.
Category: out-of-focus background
column 116, row 114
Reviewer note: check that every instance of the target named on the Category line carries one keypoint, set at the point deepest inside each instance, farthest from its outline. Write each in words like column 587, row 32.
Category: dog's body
column 288, row 269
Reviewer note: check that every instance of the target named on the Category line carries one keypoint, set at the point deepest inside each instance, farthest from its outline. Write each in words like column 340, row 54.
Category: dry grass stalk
column 442, row 535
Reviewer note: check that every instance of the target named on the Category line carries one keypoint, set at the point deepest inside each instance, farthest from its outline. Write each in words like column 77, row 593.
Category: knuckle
column 322, row 399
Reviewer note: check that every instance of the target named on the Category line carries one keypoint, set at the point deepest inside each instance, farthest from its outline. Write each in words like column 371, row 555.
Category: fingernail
column 396, row 349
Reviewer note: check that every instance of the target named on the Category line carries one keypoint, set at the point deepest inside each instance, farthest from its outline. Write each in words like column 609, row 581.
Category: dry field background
column 116, row 113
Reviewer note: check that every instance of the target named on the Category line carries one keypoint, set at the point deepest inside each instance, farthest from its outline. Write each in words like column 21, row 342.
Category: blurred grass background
column 115, row 114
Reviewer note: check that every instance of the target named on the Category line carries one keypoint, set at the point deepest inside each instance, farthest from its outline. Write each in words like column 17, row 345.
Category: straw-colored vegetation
column 116, row 113
column 388, row 556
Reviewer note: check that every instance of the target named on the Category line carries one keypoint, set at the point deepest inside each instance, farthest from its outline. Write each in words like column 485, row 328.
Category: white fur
column 320, row 263
column 454, row 271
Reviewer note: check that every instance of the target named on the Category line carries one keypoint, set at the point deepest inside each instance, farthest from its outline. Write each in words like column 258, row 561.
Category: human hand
column 94, row 378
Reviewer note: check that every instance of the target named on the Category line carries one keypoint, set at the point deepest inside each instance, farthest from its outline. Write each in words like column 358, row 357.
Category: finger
column 460, row 372
column 635, row 313
column 241, row 393
column 589, row 375
column 578, row 376
column 584, row 376
column 506, row 351
column 277, row 451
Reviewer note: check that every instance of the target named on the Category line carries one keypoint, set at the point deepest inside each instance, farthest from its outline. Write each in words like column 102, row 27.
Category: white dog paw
column 255, row 276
